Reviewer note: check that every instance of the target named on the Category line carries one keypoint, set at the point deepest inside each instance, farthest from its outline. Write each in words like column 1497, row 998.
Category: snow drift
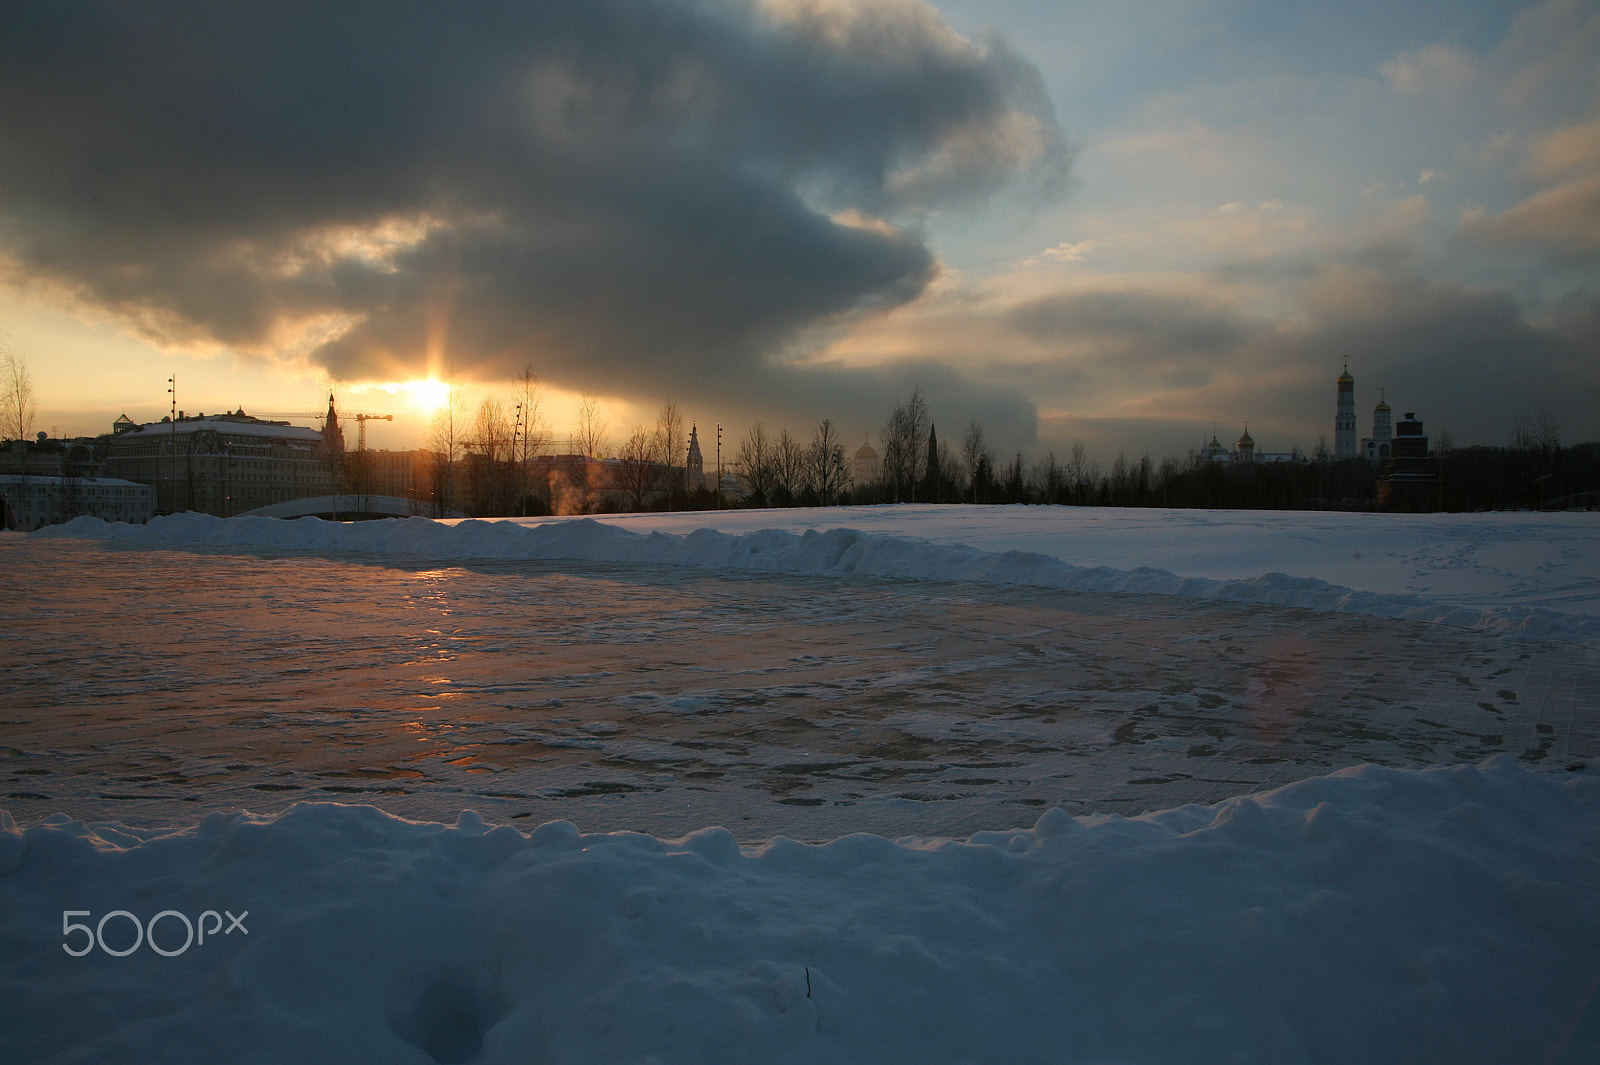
column 1372, row 915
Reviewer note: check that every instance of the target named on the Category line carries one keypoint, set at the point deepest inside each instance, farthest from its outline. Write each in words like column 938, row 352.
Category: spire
column 695, row 467
column 332, row 435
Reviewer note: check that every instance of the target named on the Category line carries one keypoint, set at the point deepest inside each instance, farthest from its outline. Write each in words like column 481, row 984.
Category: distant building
column 1379, row 446
column 226, row 464
column 695, row 468
column 1344, row 418
column 403, row 474
column 44, row 457
column 28, row 502
column 1245, row 453
column 865, row 468
column 1410, row 481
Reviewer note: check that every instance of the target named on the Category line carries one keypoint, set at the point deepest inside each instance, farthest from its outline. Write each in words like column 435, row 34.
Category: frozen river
column 1361, row 749
column 148, row 686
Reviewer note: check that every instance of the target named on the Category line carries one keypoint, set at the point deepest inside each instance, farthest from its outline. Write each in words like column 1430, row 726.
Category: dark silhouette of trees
column 904, row 448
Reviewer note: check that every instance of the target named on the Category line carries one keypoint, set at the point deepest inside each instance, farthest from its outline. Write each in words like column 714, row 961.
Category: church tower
column 332, row 435
column 1382, row 430
column 696, row 472
column 1344, row 419
column 1247, row 446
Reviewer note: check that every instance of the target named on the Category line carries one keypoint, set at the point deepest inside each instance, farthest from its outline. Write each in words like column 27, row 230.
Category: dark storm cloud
column 1167, row 339
column 1469, row 359
column 1138, row 319
column 619, row 191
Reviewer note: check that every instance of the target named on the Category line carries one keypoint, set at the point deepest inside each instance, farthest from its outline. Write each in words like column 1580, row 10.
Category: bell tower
column 1344, row 418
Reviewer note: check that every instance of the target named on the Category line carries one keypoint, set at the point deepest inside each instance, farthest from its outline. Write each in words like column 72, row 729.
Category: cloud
column 1561, row 218
column 1569, row 151
column 1143, row 326
column 1072, row 251
column 1438, row 68
column 1563, row 222
column 1148, row 362
column 622, row 192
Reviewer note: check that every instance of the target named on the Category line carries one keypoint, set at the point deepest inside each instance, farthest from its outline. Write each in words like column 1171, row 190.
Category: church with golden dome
column 865, row 468
column 1245, row 451
column 1379, row 447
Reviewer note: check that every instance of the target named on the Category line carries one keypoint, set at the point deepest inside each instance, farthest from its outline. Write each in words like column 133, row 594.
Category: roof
column 80, row 482
column 232, row 425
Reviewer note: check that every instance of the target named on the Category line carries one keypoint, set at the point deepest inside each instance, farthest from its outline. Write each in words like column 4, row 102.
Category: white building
column 865, row 468
column 1245, row 452
column 1344, row 418
column 32, row 501
column 1379, row 447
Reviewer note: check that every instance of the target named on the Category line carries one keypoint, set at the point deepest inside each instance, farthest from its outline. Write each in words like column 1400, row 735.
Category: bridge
column 349, row 508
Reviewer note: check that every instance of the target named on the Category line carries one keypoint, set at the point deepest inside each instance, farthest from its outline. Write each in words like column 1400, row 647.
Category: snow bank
column 1448, row 915
column 845, row 551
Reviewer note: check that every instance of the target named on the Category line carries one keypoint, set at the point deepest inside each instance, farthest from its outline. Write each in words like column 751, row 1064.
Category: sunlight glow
column 426, row 395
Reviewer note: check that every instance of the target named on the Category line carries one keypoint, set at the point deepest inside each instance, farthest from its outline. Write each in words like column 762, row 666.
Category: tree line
column 482, row 467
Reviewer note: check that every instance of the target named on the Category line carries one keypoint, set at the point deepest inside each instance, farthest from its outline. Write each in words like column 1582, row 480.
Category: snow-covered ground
column 1073, row 785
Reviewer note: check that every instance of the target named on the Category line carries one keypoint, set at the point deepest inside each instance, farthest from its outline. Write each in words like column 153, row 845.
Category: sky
column 1132, row 224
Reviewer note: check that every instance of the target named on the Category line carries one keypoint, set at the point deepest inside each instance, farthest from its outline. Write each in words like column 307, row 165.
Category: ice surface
column 1503, row 572
column 1373, row 825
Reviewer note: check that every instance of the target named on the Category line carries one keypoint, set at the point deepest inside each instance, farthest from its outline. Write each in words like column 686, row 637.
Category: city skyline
column 1121, row 224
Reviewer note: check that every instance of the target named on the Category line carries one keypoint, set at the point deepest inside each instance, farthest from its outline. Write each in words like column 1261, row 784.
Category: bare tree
column 444, row 440
column 904, row 447
column 1048, row 481
column 789, row 465
column 978, row 462
column 534, row 436
column 592, row 425
column 530, row 435
column 490, row 459
column 1537, row 434
column 1081, row 472
column 670, row 441
column 759, row 461
column 1537, row 438
column 17, row 402
column 826, row 470
column 638, row 472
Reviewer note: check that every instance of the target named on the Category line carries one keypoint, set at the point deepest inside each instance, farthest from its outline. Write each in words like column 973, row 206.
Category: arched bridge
column 349, row 508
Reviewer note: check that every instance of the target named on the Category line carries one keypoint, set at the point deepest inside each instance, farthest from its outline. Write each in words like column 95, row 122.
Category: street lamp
column 172, row 390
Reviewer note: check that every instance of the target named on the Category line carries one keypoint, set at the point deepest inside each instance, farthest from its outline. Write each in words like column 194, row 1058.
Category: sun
column 429, row 395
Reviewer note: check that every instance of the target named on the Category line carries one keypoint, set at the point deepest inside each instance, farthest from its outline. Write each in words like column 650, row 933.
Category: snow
column 1185, row 787
column 1503, row 572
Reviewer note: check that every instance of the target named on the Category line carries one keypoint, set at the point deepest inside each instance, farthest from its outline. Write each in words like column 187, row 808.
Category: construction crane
column 361, row 421
column 361, row 427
